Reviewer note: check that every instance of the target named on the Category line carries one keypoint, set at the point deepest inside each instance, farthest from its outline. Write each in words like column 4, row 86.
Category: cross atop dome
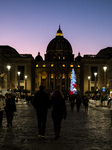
column 59, row 32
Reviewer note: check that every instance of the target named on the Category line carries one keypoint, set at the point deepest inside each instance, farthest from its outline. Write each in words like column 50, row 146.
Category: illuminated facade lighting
column 63, row 76
column 25, row 77
column 78, row 65
column 95, row 74
column 63, row 65
column 89, row 77
column 8, row 67
column 44, row 65
column 59, row 34
column 105, row 68
column 52, row 65
column 18, row 73
column 37, row 65
column 71, row 65
column 52, row 76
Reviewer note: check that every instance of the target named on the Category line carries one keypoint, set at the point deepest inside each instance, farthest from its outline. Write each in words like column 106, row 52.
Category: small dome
column 78, row 58
column 38, row 57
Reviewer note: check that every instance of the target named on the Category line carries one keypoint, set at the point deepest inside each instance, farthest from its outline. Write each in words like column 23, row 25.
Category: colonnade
column 53, row 81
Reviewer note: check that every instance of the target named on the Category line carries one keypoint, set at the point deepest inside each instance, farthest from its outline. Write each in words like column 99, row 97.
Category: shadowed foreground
column 80, row 131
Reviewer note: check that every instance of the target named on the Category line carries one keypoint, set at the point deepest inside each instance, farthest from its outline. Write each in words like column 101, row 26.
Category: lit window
column 63, row 65
column 52, row 76
column 44, row 65
column 71, row 65
column 63, row 57
column 52, row 65
column 78, row 65
column 37, row 65
column 59, row 57
column 63, row 76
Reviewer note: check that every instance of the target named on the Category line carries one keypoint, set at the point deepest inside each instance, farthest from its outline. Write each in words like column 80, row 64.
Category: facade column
column 49, row 81
column 40, row 79
column 8, row 80
column 61, row 82
column 66, row 81
column 54, row 81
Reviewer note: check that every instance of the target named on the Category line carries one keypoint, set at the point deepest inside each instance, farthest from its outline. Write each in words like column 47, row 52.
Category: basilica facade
column 55, row 71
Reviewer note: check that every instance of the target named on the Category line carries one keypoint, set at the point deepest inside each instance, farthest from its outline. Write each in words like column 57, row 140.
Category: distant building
column 18, row 62
column 54, row 71
column 3, row 71
column 95, row 63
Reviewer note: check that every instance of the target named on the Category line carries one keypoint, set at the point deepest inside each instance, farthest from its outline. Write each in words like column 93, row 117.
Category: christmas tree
column 73, row 84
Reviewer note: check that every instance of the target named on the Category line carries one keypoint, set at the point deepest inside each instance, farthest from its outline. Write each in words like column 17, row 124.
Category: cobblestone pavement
column 80, row 131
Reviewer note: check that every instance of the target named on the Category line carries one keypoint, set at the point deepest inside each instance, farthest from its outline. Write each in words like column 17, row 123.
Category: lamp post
column 18, row 79
column 105, row 83
column 95, row 74
column 25, row 82
column 8, row 78
column 89, row 83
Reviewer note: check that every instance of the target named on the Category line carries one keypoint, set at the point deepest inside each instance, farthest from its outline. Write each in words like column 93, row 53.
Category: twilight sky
column 29, row 25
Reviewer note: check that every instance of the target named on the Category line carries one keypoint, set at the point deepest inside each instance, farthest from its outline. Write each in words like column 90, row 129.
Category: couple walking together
column 41, row 103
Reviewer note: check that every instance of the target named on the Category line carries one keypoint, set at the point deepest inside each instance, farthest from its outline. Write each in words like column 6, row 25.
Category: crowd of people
column 42, row 102
column 77, row 99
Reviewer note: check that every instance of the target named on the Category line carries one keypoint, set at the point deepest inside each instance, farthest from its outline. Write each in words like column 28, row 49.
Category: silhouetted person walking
column 10, row 108
column 41, row 104
column 78, row 102
column 72, row 98
column 2, row 105
column 59, row 111
column 85, row 102
column 110, row 106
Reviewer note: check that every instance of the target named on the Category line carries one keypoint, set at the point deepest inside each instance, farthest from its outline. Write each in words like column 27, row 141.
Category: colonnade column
column 66, row 81
column 61, row 82
column 40, row 79
column 47, row 81
column 54, row 81
column 49, row 75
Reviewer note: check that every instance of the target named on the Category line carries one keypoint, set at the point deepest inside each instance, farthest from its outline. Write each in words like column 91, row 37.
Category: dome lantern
column 59, row 32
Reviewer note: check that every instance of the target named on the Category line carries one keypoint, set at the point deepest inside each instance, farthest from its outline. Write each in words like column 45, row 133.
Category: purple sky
column 29, row 25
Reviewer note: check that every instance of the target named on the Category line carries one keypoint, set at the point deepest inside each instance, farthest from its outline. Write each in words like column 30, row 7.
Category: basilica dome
column 59, row 48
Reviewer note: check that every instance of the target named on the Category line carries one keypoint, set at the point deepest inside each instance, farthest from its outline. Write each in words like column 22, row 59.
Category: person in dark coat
column 59, row 111
column 2, row 105
column 72, row 98
column 78, row 102
column 10, row 108
column 85, row 102
column 41, row 103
